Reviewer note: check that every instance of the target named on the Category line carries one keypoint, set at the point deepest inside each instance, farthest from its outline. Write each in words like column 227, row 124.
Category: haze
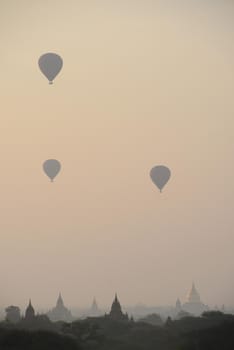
column 144, row 83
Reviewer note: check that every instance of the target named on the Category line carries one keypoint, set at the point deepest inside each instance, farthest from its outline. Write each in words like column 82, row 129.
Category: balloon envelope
column 50, row 65
column 51, row 168
column 160, row 175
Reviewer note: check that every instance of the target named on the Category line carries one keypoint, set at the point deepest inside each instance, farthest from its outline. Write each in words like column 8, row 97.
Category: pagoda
column 193, row 304
column 116, row 312
column 60, row 312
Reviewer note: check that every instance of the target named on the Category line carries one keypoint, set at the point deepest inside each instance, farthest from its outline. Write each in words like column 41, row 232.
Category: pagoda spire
column 116, row 310
column 60, row 300
column 193, row 295
column 94, row 304
column 30, row 312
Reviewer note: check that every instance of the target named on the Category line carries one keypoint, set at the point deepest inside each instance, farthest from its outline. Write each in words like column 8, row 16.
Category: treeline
column 217, row 338
column 211, row 331
column 35, row 340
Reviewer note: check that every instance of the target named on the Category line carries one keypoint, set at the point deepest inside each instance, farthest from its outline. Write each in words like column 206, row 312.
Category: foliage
column 212, row 331
column 36, row 340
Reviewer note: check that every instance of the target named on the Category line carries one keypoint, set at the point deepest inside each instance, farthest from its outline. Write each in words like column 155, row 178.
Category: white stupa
column 60, row 312
column 193, row 304
column 193, row 295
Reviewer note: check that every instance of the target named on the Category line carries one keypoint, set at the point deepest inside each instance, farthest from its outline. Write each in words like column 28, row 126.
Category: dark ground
column 212, row 331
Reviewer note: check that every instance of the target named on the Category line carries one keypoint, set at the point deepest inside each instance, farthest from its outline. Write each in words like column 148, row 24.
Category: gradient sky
column 144, row 82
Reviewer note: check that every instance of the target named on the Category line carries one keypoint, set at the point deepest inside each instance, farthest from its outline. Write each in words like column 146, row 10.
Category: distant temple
column 94, row 310
column 60, row 312
column 116, row 311
column 193, row 296
column 193, row 304
column 178, row 305
column 32, row 321
column 30, row 312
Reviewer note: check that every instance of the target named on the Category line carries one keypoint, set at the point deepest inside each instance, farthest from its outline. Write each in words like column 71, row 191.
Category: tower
column 116, row 311
column 193, row 304
column 94, row 310
column 60, row 312
column 178, row 305
column 193, row 295
column 30, row 312
column 60, row 303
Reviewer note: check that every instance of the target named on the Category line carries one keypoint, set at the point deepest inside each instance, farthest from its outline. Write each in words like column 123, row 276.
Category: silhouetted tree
column 13, row 314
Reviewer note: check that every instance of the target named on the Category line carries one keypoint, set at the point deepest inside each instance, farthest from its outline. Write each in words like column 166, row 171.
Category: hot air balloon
column 51, row 167
column 50, row 65
column 160, row 175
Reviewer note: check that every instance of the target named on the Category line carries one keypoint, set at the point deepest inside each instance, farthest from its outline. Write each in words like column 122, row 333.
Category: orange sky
column 143, row 83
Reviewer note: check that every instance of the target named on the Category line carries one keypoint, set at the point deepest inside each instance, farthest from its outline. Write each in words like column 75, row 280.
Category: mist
column 144, row 83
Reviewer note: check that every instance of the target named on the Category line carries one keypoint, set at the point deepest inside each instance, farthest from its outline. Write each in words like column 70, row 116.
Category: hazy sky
column 144, row 82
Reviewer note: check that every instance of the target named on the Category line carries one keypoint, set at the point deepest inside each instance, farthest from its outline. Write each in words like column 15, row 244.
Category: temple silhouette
column 30, row 312
column 193, row 304
column 94, row 309
column 116, row 312
column 60, row 312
